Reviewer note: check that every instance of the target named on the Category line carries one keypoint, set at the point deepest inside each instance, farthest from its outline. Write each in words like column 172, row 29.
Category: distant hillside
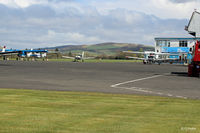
column 102, row 48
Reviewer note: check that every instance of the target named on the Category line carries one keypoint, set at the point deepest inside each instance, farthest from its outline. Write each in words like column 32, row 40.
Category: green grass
column 29, row 111
column 98, row 47
column 88, row 60
column 96, row 60
column 111, row 60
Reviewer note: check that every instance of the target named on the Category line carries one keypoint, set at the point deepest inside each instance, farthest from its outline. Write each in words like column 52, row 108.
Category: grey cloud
column 182, row 1
column 40, row 26
column 61, row 0
column 39, row 11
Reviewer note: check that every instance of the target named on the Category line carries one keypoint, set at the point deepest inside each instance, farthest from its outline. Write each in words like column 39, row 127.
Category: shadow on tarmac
column 183, row 74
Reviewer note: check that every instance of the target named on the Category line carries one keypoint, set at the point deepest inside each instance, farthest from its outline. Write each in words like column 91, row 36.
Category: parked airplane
column 33, row 53
column 78, row 57
column 23, row 53
column 150, row 57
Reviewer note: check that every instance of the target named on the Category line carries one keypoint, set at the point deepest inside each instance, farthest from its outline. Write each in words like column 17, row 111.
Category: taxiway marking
column 136, row 80
column 143, row 89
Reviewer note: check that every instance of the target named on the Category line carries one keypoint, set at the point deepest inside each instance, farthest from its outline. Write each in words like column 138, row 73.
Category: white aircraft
column 78, row 57
column 151, row 57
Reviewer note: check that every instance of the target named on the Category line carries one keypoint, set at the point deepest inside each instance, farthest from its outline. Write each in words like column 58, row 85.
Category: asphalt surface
column 117, row 78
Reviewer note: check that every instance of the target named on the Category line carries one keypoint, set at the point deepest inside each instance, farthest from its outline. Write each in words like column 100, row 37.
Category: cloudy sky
column 41, row 23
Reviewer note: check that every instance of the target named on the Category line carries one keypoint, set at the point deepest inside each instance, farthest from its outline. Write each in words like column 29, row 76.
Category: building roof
column 176, row 38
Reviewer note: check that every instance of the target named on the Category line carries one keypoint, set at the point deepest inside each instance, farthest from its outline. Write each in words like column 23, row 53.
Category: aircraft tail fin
column 83, row 54
column 4, row 49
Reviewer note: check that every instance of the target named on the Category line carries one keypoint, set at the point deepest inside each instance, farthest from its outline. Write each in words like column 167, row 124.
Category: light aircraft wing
column 68, row 57
column 136, row 58
column 162, row 54
column 8, row 52
column 89, row 58
column 167, row 59
column 134, row 52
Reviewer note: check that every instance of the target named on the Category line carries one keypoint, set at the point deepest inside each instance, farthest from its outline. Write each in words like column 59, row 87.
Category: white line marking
column 144, row 89
column 170, row 95
column 181, row 97
column 159, row 93
column 135, row 89
column 132, row 81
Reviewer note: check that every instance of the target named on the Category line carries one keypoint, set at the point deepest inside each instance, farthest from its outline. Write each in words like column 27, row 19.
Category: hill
column 109, row 48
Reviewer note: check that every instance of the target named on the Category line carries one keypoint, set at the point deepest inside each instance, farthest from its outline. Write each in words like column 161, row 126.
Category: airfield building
column 179, row 48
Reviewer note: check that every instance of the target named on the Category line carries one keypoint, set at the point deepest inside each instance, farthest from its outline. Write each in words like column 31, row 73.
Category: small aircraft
column 150, row 57
column 23, row 53
column 4, row 51
column 33, row 53
column 78, row 57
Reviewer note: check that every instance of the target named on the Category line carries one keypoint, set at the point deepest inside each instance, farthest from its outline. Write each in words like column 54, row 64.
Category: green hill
column 108, row 49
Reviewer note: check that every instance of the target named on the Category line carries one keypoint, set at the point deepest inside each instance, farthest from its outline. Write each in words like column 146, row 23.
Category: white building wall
column 169, row 42
column 174, row 43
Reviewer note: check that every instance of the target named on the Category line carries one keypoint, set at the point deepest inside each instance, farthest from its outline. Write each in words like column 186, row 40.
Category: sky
column 47, row 23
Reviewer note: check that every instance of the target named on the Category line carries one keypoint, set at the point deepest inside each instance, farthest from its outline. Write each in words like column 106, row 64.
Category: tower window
column 183, row 43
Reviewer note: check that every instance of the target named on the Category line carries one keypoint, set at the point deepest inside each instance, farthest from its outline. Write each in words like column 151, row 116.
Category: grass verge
column 88, row 60
column 96, row 60
column 31, row 111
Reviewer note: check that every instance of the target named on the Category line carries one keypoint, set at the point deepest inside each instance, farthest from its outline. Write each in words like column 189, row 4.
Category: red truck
column 194, row 67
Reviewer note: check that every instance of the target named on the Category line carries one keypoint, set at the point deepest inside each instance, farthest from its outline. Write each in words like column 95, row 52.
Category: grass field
column 31, row 111
column 87, row 60
column 96, row 60
column 100, row 47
